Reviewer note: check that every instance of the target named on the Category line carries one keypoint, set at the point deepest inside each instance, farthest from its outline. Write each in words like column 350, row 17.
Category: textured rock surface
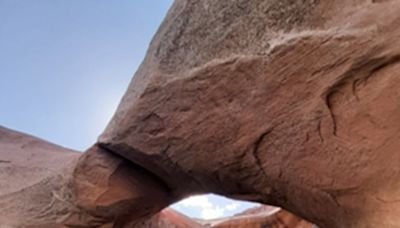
column 263, row 217
column 283, row 102
column 289, row 103
column 168, row 218
column 43, row 185
column 34, row 179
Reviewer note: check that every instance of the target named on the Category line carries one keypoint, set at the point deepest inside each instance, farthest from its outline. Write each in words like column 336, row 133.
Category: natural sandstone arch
column 43, row 185
column 289, row 103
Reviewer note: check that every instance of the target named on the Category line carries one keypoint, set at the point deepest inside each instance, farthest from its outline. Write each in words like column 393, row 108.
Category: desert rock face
column 44, row 186
column 281, row 219
column 47, row 186
column 260, row 217
column 167, row 218
column 289, row 103
column 34, row 179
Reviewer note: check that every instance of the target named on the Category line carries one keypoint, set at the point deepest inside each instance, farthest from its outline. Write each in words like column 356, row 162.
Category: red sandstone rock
column 168, row 218
column 263, row 217
column 289, row 103
column 34, row 176
column 43, row 186
column 39, row 190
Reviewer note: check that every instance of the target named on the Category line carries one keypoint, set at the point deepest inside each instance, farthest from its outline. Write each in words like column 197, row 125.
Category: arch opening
column 211, row 206
column 210, row 210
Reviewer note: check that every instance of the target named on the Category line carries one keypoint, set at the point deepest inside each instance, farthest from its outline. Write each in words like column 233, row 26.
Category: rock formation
column 168, row 218
column 261, row 217
column 288, row 103
column 283, row 102
column 46, row 186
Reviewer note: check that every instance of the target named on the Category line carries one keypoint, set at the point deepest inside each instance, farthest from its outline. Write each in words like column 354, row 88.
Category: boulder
column 288, row 103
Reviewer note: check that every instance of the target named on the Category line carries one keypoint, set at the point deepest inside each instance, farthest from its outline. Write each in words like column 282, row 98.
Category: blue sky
column 65, row 64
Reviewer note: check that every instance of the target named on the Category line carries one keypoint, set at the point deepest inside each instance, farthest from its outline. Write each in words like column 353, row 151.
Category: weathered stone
column 261, row 217
column 289, row 103
column 43, row 185
column 34, row 181
column 168, row 218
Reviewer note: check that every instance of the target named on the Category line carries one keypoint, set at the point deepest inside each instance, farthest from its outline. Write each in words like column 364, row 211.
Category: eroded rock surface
column 34, row 179
column 289, row 103
column 168, row 218
column 43, row 185
column 263, row 217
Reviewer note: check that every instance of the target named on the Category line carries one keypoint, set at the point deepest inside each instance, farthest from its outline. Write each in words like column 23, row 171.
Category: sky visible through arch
column 65, row 64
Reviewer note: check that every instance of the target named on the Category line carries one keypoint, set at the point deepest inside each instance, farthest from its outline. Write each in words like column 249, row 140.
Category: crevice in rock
column 319, row 128
column 140, row 168
column 256, row 146
column 358, row 73
column 328, row 102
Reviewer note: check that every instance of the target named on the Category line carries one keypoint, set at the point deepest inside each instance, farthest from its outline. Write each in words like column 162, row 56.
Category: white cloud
column 197, row 201
column 232, row 206
column 208, row 209
column 212, row 212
